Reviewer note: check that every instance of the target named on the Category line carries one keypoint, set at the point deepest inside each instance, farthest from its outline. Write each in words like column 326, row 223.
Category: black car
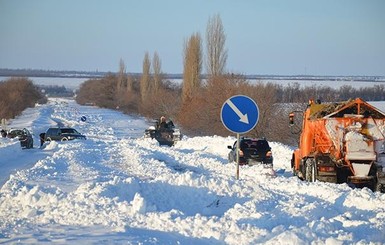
column 252, row 151
column 63, row 134
column 26, row 139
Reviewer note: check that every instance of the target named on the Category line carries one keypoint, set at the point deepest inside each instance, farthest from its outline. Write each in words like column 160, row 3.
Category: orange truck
column 341, row 143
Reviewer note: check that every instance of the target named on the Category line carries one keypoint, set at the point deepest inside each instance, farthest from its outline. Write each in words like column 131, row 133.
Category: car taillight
column 326, row 169
column 269, row 154
column 240, row 153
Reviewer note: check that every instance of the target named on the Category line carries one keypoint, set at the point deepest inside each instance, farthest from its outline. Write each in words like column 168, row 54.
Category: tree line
column 17, row 94
column 195, row 105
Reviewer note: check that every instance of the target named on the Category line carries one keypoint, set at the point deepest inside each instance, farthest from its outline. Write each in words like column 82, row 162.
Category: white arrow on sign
column 242, row 117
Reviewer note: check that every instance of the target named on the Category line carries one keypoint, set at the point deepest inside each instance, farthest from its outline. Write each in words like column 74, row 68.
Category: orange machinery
column 341, row 143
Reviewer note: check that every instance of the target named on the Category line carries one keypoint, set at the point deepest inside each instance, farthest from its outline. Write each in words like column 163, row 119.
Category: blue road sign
column 239, row 114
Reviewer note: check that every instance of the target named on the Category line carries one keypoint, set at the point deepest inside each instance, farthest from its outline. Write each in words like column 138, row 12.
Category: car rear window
column 255, row 144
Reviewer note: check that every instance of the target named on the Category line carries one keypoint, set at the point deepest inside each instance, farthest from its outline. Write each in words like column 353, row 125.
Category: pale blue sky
column 278, row 37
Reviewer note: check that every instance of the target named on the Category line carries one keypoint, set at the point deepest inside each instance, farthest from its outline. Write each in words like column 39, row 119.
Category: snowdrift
column 119, row 187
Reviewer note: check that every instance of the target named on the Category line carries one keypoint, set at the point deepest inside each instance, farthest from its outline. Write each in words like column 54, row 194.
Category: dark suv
column 63, row 134
column 26, row 139
column 252, row 151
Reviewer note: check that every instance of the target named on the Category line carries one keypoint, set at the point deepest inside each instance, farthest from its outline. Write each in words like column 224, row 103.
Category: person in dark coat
column 42, row 139
column 162, row 123
column 170, row 124
column 3, row 133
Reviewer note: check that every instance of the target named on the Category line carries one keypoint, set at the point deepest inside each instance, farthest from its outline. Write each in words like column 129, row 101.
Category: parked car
column 63, row 134
column 252, row 151
column 26, row 139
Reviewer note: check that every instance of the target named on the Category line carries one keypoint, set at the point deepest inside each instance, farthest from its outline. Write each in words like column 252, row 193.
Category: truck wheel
column 64, row 139
column 302, row 170
column 292, row 165
column 380, row 188
column 310, row 173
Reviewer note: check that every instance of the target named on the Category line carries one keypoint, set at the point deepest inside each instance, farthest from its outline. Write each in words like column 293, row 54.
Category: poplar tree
column 145, row 79
column 121, row 75
column 215, row 44
column 157, row 74
column 192, row 66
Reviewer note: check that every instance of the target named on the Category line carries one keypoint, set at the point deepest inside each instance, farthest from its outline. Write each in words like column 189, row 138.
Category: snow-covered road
column 118, row 187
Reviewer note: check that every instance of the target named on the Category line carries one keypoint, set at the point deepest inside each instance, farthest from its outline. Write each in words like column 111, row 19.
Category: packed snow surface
column 118, row 187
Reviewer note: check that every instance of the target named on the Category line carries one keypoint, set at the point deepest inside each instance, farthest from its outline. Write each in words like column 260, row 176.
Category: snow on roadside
column 118, row 187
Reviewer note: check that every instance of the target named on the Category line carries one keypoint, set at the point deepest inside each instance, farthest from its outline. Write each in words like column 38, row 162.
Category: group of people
column 42, row 136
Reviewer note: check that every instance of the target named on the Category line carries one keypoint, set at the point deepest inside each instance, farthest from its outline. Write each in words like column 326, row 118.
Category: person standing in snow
column 42, row 140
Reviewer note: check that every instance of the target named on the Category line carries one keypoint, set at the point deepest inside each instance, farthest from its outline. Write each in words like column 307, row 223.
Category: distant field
column 73, row 82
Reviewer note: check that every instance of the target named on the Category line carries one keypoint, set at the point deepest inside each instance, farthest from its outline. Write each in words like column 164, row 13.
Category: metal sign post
column 238, row 156
column 239, row 114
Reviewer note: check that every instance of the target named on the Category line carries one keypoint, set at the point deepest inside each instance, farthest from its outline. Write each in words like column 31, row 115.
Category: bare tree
column 122, row 75
column 157, row 68
column 130, row 83
column 192, row 67
column 101, row 92
column 215, row 44
column 17, row 94
column 145, row 79
column 200, row 114
column 120, row 84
